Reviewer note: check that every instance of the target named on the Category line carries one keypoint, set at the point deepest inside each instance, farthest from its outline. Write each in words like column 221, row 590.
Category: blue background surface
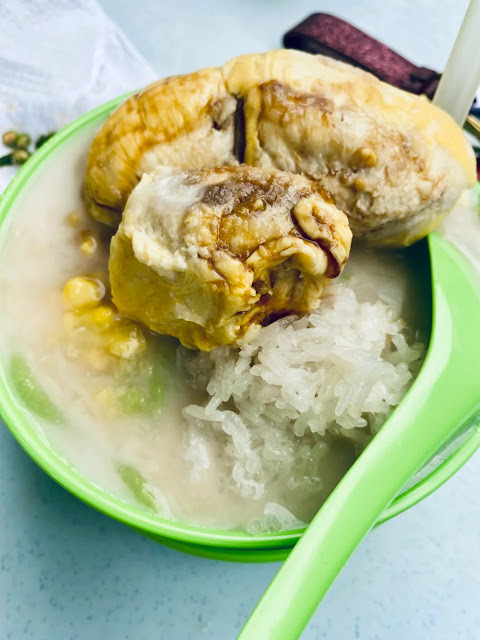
column 69, row 573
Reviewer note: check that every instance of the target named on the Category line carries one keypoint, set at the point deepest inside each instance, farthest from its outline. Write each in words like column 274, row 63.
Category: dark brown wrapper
column 333, row 37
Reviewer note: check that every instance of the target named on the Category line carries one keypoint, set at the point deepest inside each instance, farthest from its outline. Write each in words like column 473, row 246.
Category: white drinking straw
column 461, row 77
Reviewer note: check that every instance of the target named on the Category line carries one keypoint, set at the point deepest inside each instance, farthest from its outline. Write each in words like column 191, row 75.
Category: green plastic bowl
column 212, row 543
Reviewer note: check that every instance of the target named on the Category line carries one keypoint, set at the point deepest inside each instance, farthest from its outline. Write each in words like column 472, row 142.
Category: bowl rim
column 23, row 428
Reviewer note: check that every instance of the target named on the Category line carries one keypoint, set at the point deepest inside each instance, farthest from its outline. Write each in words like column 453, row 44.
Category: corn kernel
column 88, row 244
column 365, row 157
column 126, row 341
column 102, row 316
column 82, row 293
column 73, row 219
column 359, row 184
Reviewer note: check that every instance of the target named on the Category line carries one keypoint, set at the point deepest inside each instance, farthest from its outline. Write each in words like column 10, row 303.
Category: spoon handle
column 427, row 417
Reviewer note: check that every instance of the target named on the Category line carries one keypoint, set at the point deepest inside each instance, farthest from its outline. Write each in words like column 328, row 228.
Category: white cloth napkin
column 58, row 59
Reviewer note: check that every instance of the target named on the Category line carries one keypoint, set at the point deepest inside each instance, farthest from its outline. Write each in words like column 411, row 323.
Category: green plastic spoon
column 444, row 396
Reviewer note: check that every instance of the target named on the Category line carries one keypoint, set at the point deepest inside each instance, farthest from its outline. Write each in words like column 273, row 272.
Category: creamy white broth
column 40, row 254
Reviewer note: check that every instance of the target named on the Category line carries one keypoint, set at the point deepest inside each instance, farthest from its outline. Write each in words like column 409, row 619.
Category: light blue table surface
column 69, row 573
